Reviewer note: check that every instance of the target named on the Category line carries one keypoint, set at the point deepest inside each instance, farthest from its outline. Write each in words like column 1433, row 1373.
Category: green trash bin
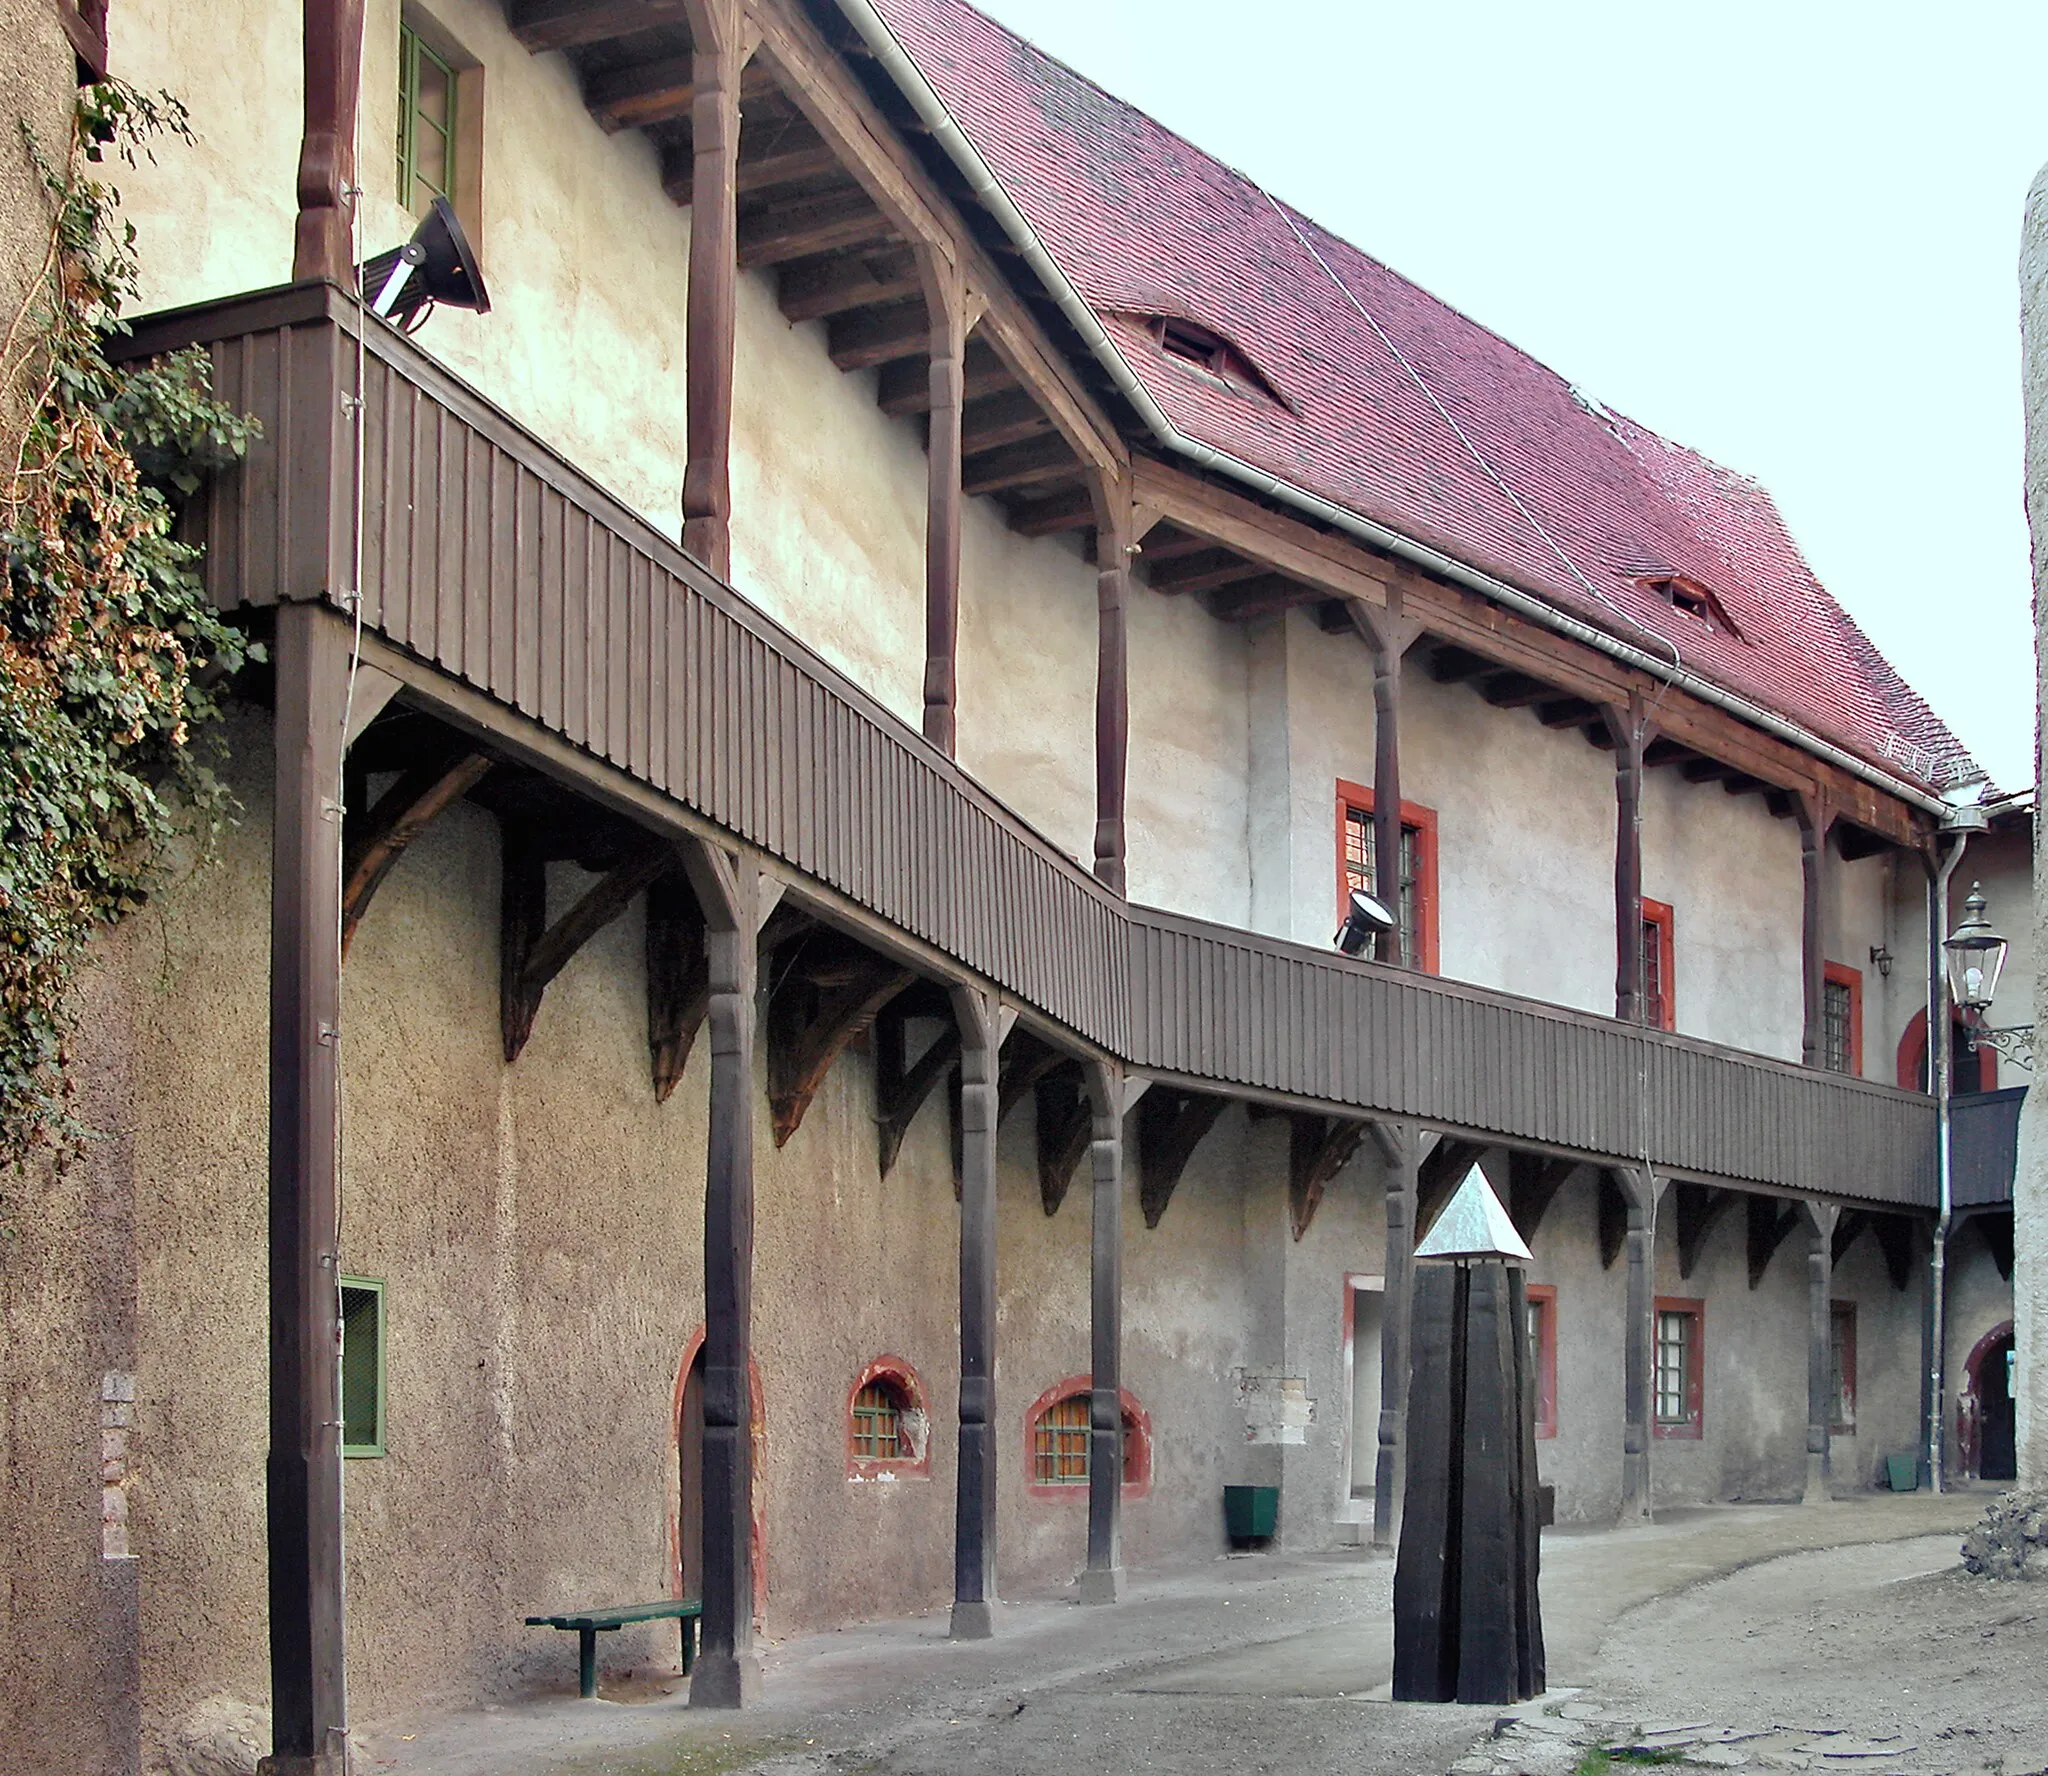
column 1250, row 1513
column 1902, row 1473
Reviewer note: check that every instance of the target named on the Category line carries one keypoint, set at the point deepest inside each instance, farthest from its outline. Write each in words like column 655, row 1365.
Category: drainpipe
column 1940, row 1066
column 988, row 190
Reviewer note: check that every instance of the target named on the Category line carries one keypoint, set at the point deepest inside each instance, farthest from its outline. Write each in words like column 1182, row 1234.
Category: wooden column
column 1103, row 1579
column 1397, row 1143
column 711, row 311
column 945, row 297
column 974, row 1513
column 1816, row 816
column 1387, row 635
column 1639, row 1335
column 728, row 889
column 303, row 1472
column 1630, row 731
column 321, row 246
column 1820, row 1356
column 1115, row 528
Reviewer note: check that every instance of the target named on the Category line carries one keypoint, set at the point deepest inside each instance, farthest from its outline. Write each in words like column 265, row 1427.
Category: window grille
column 1361, row 871
column 1838, row 1006
column 878, row 1423
column 1674, row 1366
column 1654, row 1001
column 426, row 123
column 362, row 1366
column 1059, row 1444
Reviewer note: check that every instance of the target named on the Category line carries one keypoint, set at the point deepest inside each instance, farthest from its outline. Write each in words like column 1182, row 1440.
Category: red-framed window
column 1679, row 1367
column 1660, row 1006
column 1356, row 869
column 1842, row 1366
column 1841, row 1019
column 888, row 1428
column 1543, row 1354
column 1056, row 1443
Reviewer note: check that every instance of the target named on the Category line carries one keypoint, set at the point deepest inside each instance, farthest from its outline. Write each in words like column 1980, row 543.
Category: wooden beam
column 1102, row 1581
column 543, row 25
column 1637, row 1193
column 1515, row 690
column 816, row 289
column 1065, row 1127
column 828, row 990
column 1260, row 596
column 785, row 165
column 1026, row 1060
column 1699, row 1212
column 1705, row 770
column 903, row 1085
column 374, row 842
column 1665, row 752
column 1171, row 1125
column 1996, row 1230
column 869, row 337
column 1898, row 1239
column 1850, row 1226
column 1006, row 418
column 1073, row 509
column 1033, row 464
column 532, row 952
column 678, row 979
column 1816, row 816
column 1318, row 1148
column 1457, row 665
column 1628, row 730
column 943, row 321
column 711, row 303
column 1566, row 712
column 1388, row 633
column 1534, row 1179
column 641, row 93
column 1116, row 536
column 1768, row 1222
column 333, row 65
column 978, row 1032
column 807, row 225
column 905, row 388
column 1613, row 1217
column 1205, row 572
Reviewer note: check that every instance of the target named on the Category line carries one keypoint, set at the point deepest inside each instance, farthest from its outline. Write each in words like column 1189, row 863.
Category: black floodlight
column 1364, row 920
column 435, row 266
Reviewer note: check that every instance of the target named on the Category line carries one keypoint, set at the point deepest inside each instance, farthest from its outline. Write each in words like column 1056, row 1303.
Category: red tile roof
column 1143, row 222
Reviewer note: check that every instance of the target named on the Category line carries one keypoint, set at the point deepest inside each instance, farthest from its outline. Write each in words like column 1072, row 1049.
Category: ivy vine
column 113, row 664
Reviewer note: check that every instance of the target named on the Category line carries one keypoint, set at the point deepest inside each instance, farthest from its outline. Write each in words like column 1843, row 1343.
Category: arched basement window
column 1057, row 1442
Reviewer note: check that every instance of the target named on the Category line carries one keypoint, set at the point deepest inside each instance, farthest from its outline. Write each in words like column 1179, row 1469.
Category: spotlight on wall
column 1364, row 920
column 435, row 266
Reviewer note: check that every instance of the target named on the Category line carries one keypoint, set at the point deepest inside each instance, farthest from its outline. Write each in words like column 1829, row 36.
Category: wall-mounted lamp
column 1881, row 958
column 1364, row 920
column 1976, row 958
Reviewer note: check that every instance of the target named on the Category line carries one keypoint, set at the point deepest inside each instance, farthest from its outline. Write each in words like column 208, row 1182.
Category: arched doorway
column 686, row 1528
column 1986, row 1423
column 1968, row 1072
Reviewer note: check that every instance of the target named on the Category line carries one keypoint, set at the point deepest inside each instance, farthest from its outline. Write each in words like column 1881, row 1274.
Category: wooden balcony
column 533, row 607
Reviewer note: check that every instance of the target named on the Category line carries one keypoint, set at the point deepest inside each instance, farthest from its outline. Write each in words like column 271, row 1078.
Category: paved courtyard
column 1841, row 1637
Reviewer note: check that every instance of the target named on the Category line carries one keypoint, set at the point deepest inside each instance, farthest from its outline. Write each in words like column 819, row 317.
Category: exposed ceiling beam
column 542, row 25
column 873, row 336
column 1006, row 418
column 811, row 225
column 816, row 289
column 1033, row 464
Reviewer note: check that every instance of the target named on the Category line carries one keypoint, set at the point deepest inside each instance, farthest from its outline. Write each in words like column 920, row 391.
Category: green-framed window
column 427, row 138
column 362, row 1366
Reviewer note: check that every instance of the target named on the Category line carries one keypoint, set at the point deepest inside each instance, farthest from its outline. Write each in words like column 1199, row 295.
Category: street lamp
column 1976, row 958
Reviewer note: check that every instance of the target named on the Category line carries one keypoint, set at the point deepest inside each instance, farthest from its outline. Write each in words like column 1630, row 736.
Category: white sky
column 1784, row 232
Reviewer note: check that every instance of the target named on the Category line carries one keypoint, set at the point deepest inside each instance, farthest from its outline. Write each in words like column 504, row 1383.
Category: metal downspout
column 1940, row 1070
column 988, row 190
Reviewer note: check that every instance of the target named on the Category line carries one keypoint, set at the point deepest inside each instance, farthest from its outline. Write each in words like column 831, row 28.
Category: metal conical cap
column 1474, row 1225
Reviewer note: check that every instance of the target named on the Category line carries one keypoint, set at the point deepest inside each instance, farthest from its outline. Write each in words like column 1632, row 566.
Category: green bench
column 589, row 1624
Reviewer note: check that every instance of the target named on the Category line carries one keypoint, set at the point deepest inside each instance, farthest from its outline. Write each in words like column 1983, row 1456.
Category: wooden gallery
column 769, row 1023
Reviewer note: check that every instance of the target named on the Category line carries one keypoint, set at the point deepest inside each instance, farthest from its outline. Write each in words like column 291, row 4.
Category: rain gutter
column 988, row 190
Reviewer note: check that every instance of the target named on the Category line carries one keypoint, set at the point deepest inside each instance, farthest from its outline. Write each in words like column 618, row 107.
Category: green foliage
column 1605, row 1761
column 112, row 661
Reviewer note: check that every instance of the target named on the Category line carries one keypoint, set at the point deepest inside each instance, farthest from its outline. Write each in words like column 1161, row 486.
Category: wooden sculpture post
column 1468, row 1626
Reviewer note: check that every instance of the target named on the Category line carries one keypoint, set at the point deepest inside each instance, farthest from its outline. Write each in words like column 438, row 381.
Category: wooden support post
column 1629, row 729
column 1115, row 536
column 1639, row 1334
column 327, row 164
column 1388, row 635
column 1816, row 815
column 712, row 303
column 303, row 1471
column 1397, row 1144
column 728, row 890
column 1103, row 1579
column 945, row 298
column 974, row 1515
column 1820, row 1365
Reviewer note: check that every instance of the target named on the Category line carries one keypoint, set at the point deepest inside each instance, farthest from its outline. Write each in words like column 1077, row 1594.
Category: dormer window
column 1208, row 351
column 1692, row 598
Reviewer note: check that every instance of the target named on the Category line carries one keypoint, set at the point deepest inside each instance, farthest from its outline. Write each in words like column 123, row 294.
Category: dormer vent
column 1692, row 598
column 1208, row 351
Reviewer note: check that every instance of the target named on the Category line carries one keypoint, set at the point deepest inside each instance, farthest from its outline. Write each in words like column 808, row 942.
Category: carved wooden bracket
column 1699, row 1210
column 828, row 990
column 1613, row 1219
column 1171, row 1125
column 374, row 843
column 1534, row 1179
column 1318, row 1148
column 1849, row 1227
column 1769, row 1222
column 532, row 952
column 1996, row 1230
column 1066, row 1125
column 678, row 979
column 903, row 1085
column 1442, row 1169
